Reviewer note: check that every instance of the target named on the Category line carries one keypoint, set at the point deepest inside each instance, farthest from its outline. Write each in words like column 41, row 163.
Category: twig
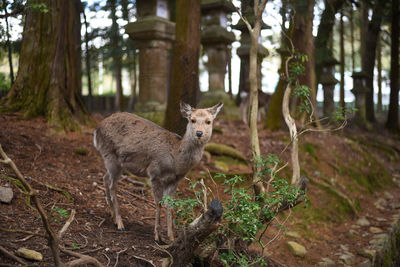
column 67, row 223
column 24, row 239
column 86, row 240
column 143, row 259
column 119, row 252
column 204, row 194
column 108, row 258
column 52, row 187
column 11, row 256
column 22, row 231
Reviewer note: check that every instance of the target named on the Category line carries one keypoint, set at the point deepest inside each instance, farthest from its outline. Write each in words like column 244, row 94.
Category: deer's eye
column 193, row 121
column 208, row 122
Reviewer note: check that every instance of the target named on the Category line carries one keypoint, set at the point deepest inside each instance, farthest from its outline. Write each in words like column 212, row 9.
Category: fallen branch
column 67, row 223
column 54, row 188
column 119, row 252
column 12, row 256
column 22, row 231
column 82, row 259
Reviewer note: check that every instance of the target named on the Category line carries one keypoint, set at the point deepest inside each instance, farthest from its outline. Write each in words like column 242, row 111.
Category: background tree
column 9, row 48
column 185, row 63
column 49, row 76
column 393, row 114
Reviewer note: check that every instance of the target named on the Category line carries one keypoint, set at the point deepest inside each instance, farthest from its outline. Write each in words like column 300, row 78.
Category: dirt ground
column 71, row 163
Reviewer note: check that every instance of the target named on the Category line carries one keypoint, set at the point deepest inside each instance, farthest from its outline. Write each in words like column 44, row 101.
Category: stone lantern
column 216, row 40
column 153, row 33
column 328, row 81
column 360, row 90
column 244, row 50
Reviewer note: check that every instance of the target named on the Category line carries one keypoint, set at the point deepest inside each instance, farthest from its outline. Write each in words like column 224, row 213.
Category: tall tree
column 49, row 76
column 393, row 114
column 379, row 67
column 87, row 61
column 342, row 62
column 115, row 43
column 185, row 63
column 368, row 53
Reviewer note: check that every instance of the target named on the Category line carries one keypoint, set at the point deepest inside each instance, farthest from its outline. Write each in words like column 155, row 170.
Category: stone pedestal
column 328, row 81
column 360, row 90
column 153, row 34
column 216, row 40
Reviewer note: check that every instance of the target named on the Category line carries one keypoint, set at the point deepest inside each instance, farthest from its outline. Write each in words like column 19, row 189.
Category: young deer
column 129, row 142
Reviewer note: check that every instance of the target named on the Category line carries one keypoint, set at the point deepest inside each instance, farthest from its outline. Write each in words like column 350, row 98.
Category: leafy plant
column 184, row 208
column 61, row 212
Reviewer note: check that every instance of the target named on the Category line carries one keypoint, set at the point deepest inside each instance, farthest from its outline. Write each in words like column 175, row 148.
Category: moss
column 229, row 111
column 220, row 149
column 81, row 151
column 231, row 161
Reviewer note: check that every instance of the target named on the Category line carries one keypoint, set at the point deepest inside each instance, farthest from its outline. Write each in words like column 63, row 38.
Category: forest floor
column 363, row 168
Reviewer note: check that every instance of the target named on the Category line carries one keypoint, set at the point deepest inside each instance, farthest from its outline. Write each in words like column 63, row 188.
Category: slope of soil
column 360, row 167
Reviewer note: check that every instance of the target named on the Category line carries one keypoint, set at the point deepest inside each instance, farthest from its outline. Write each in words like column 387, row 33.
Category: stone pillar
column 153, row 34
column 328, row 81
column 216, row 40
column 360, row 90
column 244, row 50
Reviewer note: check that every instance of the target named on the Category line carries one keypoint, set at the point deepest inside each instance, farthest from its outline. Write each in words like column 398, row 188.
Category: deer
column 129, row 142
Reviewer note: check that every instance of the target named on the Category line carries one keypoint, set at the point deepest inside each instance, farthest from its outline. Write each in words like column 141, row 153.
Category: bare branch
column 67, row 223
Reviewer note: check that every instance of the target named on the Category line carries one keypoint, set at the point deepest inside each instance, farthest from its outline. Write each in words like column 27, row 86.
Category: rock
column 378, row 240
column 347, row 258
column 292, row 234
column 351, row 233
column 296, row 248
column 29, row 254
column 387, row 196
column 344, row 247
column 6, row 194
column 367, row 253
column 380, row 203
column 222, row 166
column 326, row 262
column 375, row 230
column 381, row 219
column 363, row 222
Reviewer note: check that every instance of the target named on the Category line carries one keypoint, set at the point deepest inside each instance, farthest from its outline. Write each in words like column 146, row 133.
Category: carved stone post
column 328, row 81
column 360, row 90
column 153, row 33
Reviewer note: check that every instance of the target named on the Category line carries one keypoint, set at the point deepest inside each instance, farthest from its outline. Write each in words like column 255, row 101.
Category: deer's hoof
column 120, row 225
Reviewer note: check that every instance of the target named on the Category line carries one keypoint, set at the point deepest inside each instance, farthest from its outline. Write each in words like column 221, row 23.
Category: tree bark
column 183, row 248
column 351, row 21
column 379, row 67
column 185, row 65
column 49, row 76
column 116, row 55
column 342, row 62
column 369, row 53
column 393, row 114
column 87, row 61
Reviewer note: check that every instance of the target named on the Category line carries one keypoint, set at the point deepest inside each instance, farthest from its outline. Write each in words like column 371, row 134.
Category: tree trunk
column 116, row 55
column 87, row 61
column 351, row 21
column 393, row 114
column 8, row 43
column 185, row 64
column 132, row 77
column 342, row 62
column 322, row 52
column 183, row 248
column 379, row 67
column 49, row 76
column 368, row 62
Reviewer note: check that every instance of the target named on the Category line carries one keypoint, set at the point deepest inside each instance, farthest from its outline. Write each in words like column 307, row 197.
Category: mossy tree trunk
column 185, row 63
column 49, row 76
column 342, row 61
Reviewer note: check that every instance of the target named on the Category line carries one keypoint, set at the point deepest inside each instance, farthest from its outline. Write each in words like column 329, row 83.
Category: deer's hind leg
column 114, row 171
column 106, row 180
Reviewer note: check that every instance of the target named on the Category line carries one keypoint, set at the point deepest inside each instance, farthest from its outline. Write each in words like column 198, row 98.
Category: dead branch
column 82, row 259
column 54, row 188
column 119, row 252
column 67, row 223
column 12, row 256
column 142, row 260
column 21, row 231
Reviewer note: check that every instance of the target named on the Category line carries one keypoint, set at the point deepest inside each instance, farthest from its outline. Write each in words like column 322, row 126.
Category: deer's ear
column 215, row 109
column 186, row 110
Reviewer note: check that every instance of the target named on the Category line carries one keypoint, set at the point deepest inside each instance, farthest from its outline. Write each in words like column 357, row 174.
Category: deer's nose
column 199, row 133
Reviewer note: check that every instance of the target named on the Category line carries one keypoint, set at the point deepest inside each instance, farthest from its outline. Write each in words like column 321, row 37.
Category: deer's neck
column 189, row 154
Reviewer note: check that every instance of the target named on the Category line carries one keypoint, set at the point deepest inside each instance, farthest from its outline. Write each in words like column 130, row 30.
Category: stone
column 347, row 258
column 6, row 194
column 29, row 254
column 363, row 222
column 381, row 219
column 344, row 247
column 367, row 253
column 326, row 262
column 380, row 203
column 387, row 196
column 375, row 230
column 292, row 234
column 352, row 233
column 296, row 248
